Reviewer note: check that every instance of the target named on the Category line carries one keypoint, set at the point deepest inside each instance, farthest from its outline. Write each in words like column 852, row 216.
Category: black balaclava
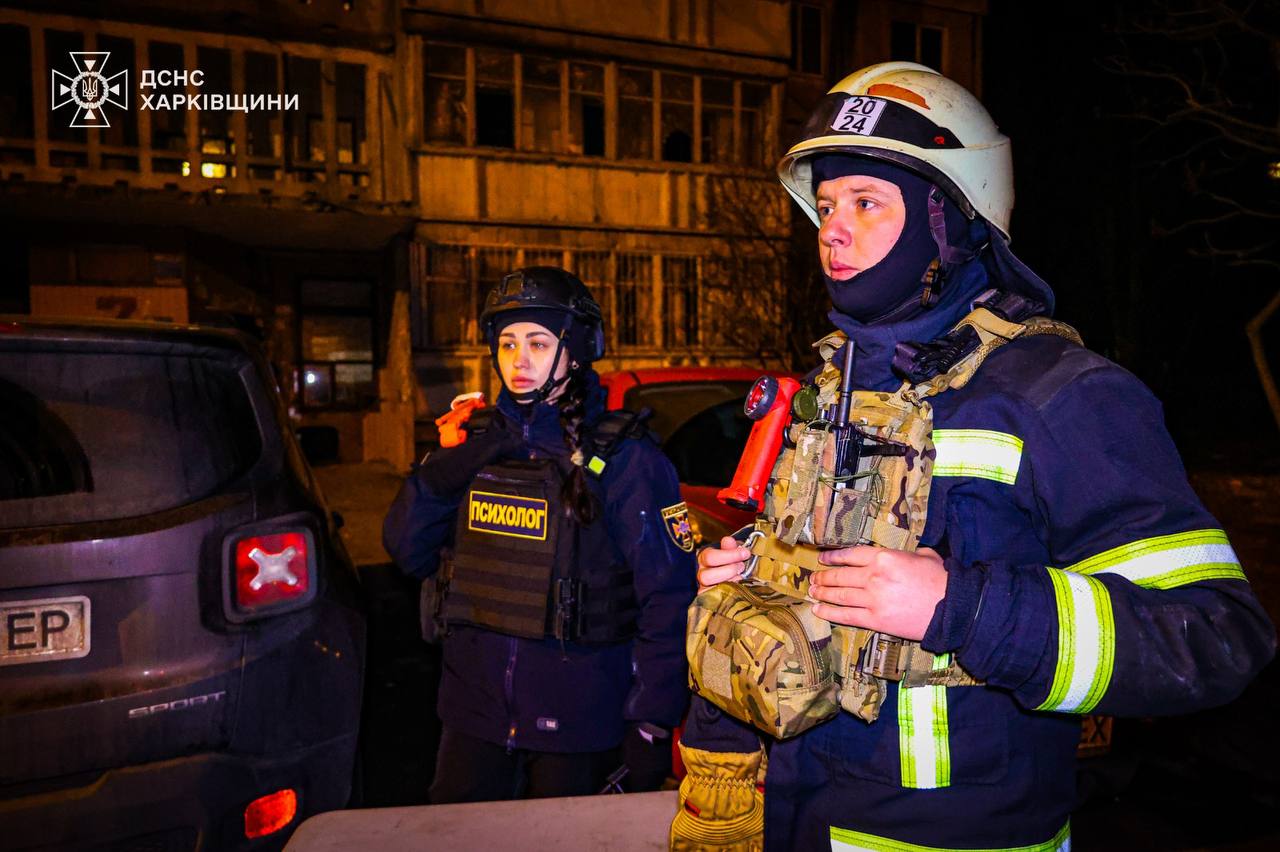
column 892, row 289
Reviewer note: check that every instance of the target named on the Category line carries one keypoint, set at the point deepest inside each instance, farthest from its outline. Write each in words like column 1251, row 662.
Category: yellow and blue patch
column 507, row 514
column 676, row 520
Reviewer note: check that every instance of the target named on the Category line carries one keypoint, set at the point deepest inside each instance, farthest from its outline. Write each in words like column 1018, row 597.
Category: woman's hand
column 891, row 591
column 723, row 563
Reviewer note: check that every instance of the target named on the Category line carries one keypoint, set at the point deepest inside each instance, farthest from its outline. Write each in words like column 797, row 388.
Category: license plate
column 43, row 631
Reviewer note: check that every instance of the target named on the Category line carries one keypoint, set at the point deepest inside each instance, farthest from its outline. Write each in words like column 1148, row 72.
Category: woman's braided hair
column 573, row 411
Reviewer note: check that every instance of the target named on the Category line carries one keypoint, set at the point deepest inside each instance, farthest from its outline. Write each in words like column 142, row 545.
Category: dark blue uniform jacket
column 1084, row 577
column 526, row 693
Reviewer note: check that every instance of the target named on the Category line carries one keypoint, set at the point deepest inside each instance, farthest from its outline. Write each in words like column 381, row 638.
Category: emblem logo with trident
column 90, row 89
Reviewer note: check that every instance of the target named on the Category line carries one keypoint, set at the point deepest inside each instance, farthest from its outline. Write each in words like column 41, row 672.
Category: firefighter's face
column 525, row 353
column 861, row 218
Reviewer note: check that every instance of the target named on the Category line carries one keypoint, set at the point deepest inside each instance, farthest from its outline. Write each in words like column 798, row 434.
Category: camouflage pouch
column 795, row 517
column 762, row 657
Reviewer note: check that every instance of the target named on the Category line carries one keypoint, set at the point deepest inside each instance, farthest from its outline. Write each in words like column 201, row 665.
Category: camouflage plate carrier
column 755, row 648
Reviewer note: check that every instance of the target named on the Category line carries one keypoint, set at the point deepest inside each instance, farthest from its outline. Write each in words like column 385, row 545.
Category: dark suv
column 181, row 644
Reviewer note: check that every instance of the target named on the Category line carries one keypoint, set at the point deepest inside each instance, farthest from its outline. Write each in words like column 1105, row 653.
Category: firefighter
column 568, row 566
column 1063, row 566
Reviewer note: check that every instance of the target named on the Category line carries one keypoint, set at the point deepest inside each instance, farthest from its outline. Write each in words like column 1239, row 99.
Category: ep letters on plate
column 860, row 114
column 43, row 631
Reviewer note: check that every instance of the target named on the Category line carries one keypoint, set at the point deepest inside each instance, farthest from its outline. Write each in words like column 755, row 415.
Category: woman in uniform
column 568, row 567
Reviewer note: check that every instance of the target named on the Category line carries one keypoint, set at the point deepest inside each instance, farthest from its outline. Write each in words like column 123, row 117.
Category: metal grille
column 443, row 298
column 592, row 267
column 543, row 257
column 680, row 301
column 633, row 293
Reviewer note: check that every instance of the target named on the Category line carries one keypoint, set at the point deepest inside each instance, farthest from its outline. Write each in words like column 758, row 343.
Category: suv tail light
column 268, row 814
column 268, row 569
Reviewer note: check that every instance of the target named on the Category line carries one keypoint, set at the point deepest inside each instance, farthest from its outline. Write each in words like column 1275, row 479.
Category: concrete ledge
column 635, row 822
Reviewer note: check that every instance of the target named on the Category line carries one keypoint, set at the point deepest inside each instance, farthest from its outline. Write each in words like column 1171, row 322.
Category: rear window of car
column 702, row 426
column 707, row 448
column 92, row 436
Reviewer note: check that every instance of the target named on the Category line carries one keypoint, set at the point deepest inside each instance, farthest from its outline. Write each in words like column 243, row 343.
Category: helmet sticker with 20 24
column 859, row 115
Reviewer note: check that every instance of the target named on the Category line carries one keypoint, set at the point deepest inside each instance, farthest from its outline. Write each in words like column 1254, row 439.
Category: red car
column 698, row 415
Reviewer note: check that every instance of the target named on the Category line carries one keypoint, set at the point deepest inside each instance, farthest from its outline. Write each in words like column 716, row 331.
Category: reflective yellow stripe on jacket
column 1086, row 625
column 844, row 840
column 924, row 736
column 980, row 453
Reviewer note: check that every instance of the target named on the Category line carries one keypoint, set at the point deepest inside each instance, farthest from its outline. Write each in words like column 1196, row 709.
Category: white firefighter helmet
column 911, row 115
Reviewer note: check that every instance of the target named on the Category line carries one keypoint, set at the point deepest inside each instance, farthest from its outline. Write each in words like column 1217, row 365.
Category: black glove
column 646, row 752
column 449, row 470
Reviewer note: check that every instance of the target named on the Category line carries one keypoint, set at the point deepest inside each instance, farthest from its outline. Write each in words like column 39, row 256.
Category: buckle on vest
column 751, row 538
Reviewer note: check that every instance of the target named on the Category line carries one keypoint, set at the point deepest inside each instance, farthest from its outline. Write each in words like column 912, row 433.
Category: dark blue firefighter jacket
column 526, row 693
column 1084, row 577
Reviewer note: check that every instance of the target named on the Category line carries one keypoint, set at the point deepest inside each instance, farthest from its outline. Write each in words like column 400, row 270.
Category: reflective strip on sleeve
column 1168, row 561
column 844, row 840
column 1086, row 643
column 923, row 739
column 977, row 452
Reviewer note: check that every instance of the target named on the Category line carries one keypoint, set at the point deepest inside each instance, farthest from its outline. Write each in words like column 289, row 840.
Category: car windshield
column 702, row 426
column 93, row 436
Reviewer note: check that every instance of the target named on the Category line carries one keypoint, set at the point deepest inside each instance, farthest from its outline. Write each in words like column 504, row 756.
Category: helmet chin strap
column 549, row 387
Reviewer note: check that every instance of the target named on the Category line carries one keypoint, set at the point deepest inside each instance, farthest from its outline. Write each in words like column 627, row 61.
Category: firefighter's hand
column 721, row 564
column 892, row 591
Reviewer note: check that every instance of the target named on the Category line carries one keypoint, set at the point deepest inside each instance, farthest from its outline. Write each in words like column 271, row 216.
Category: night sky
column 1109, row 205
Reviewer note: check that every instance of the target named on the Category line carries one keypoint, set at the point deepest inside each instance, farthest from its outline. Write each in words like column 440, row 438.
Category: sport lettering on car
column 179, row 704
column 507, row 514
column 860, row 114
column 42, row 631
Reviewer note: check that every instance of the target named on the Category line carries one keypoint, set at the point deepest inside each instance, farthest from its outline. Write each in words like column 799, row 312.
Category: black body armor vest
column 524, row 566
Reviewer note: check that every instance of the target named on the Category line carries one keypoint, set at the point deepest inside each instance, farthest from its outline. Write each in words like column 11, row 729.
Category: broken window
column 717, row 120
column 350, row 96
column 677, row 118
column 755, row 124
column 586, row 109
column 540, row 104
column 446, row 94
column 806, row 39
column 495, row 99
column 635, row 114
column 916, row 43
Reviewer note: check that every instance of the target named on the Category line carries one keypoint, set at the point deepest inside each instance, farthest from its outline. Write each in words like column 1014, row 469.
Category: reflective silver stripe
column 924, row 743
column 1168, row 561
column 978, row 453
column 1086, row 643
column 844, row 840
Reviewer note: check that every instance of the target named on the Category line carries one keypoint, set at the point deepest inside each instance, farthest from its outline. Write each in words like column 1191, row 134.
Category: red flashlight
column 769, row 404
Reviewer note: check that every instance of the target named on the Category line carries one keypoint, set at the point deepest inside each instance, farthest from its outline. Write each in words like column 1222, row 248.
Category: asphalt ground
column 1205, row 781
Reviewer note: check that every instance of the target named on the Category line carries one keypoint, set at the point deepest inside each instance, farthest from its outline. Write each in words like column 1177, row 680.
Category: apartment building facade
column 432, row 146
